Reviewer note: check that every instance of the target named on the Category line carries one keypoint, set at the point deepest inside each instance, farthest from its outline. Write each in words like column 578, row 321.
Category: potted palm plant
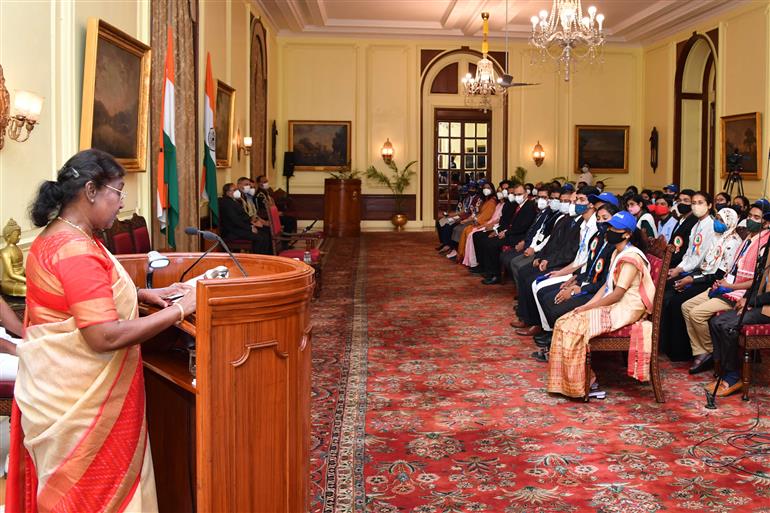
column 397, row 182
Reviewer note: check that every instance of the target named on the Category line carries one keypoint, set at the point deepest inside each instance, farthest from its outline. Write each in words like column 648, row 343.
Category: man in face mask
column 235, row 224
column 247, row 197
column 508, row 234
column 680, row 235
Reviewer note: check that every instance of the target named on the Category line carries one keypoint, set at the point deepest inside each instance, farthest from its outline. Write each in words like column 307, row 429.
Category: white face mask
column 700, row 210
column 534, row 192
column 265, row 185
column 487, row 192
column 585, row 169
column 600, row 189
column 500, row 195
column 511, row 197
column 251, row 191
column 528, row 191
column 519, row 198
column 542, row 203
column 571, row 210
column 564, row 208
column 237, row 194
column 555, row 205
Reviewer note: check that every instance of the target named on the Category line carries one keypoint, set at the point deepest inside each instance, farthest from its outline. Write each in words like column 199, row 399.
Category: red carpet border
column 424, row 401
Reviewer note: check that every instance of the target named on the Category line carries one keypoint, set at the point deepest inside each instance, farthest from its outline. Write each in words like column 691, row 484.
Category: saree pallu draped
column 573, row 332
column 82, row 415
column 486, row 212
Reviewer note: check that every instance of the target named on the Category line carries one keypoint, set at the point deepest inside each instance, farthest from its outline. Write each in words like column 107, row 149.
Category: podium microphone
column 191, row 230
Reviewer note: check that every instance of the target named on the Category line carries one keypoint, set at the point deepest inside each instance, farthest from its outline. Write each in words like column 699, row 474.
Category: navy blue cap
column 605, row 197
column 673, row 187
column 567, row 187
column 472, row 184
column 623, row 220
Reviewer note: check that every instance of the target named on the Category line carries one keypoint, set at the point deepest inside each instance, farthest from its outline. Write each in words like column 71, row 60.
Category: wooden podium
column 238, row 438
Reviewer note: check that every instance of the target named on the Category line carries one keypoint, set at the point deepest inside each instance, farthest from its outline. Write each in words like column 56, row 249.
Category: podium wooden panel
column 238, row 438
column 342, row 207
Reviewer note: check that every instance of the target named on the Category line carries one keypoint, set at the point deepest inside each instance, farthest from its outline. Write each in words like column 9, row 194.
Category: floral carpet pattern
column 425, row 401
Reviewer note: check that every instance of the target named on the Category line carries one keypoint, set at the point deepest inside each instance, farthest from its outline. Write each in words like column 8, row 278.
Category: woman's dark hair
column 725, row 196
column 226, row 188
column 638, row 240
column 86, row 166
column 706, row 195
column 609, row 208
column 632, row 188
column 746, row 202
column 638, row 199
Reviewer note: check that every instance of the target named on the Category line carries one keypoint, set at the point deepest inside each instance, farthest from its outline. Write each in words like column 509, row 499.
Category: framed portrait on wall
column 741, row 145
column 116, row 94
column 224, row 112
column 603, row 147
column 320, row 145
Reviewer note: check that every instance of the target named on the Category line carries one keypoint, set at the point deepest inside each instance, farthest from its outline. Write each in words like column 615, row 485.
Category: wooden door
column 462, row 140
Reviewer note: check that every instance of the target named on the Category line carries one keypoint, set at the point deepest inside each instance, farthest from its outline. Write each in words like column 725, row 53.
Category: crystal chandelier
column 566, row 28
column 479, row 89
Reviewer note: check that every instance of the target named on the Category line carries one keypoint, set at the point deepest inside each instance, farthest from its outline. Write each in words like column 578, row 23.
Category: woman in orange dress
column 485, row 214
column 79, row 395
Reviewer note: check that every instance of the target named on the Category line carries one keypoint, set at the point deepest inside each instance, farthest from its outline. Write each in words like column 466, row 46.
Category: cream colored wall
column 52, row 36
column 743, row 85
column 375, row 83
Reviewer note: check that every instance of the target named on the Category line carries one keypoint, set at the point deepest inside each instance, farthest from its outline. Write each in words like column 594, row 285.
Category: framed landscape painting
column 741, row 145
column 116, row 94
column 320, row 145
column 223, row 124
column 603, row 147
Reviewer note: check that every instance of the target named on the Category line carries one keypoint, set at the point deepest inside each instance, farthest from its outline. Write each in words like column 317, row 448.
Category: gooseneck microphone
column 191, row 230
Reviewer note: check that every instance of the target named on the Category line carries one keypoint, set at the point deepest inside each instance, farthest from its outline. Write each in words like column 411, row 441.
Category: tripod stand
column 733, row 178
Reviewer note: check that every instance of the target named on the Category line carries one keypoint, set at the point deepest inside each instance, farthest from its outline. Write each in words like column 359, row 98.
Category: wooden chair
column 620, row 340
column 120, row 239
column 140, row 234
column 753, row 337
column 311, row 239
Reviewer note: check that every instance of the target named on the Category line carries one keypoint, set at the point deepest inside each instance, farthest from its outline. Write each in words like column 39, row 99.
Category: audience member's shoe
column 540, row 356
column 529, row 332
column 516, row 323
column 702, row 363
column 452, row 254
column 493, row 280
column 476, row 270
column 543, row 339
column 444, row 249
column 440, row 247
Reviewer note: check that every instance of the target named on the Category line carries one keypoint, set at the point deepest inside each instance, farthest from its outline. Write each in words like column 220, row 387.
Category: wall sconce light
column 387, row 152
column 538, row 154
column 26, row 109
column 244, row 144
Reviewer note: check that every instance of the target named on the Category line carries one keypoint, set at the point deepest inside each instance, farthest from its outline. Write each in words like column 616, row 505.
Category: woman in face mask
column 701, row 235
column 625, row 298
column 724, row 293
column 666, row 221
column 637, row 206
column 674, row 340
column 721, row 200
column 741, row 205
column 487, row 210
column 469, row 258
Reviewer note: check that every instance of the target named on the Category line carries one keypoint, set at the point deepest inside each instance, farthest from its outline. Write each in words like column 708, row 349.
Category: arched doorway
column 695, row 112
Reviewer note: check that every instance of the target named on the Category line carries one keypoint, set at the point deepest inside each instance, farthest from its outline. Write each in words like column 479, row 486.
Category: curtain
column 258, row 86
column 181, row 16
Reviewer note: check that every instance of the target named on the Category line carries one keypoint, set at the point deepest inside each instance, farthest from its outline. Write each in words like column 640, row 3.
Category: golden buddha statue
column 13, row 282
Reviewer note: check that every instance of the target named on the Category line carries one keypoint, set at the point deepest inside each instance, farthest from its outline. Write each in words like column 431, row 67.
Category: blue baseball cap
column 623, row 220
column 605, row 197
column 471, row 184
column 567, row 187
column 672, row 187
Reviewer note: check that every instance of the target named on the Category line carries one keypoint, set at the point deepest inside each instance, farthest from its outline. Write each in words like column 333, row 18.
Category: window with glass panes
column 462, row 153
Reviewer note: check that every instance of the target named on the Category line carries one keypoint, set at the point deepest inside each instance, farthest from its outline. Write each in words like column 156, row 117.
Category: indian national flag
column 168, row 182
column 209, row 173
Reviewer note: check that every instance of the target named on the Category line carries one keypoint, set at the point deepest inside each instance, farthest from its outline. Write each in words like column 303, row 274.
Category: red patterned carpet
column 426, row 402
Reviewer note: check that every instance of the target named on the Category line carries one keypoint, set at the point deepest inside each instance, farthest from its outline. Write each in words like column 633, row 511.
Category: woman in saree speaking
column 79, row 389
column 625, row 298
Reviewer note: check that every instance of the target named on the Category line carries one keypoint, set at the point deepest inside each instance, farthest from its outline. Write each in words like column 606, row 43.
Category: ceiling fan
column 506, row 80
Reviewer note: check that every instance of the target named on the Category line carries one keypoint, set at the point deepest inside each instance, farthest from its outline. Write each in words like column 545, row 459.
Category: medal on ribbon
column 678, row 242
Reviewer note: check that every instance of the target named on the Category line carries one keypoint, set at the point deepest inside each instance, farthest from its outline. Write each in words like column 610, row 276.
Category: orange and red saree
column 80, row 414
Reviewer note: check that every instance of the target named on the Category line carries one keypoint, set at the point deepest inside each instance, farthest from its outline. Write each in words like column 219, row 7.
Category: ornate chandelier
column 567, row 28
column 479, row 89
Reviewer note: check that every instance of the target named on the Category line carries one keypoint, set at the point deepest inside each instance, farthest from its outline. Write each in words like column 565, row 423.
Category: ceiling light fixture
column 566, row 28
column 479, row 89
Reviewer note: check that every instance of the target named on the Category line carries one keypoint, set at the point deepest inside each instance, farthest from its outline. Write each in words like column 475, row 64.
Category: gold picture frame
column 224, row 114
column 320, row 145
column 743, row 132
column 116, row 95
column 603, row 147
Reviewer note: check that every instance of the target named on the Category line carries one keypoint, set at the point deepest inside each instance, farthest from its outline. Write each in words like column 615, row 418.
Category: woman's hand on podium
column 165, row 296
column 187, row 302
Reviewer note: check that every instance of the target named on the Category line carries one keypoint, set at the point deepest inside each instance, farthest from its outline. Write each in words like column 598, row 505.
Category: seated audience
column 741, row 205
column 235, row 224
column 485, row 213
column 715, row 265
column 666, row 221
column 625, row 299
column 476, row 199
column 637, row 206
column 700, row 239
column 470, row 260
column 680, row 236
column 264, row 196
column 724, row 293
column 721, row 200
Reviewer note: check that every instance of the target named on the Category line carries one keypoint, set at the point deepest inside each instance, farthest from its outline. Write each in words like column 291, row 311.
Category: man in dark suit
column 508, row 234
column 235, row 224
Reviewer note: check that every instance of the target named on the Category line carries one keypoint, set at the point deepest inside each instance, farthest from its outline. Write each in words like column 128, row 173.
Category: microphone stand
column 181, row 278
column 759, row 272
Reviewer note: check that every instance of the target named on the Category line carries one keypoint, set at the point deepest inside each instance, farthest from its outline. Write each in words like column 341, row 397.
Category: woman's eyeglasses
column 123, row 195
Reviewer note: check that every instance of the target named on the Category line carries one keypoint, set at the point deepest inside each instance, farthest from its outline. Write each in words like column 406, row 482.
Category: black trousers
column 444, row 233
column 488, row 251
column 674, row 340
column 288, row 223
column 552, row 311
column 724, row 335
column 526, row 310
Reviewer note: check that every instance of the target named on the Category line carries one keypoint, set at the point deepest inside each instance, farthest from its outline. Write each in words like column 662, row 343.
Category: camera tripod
column 734, row 178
